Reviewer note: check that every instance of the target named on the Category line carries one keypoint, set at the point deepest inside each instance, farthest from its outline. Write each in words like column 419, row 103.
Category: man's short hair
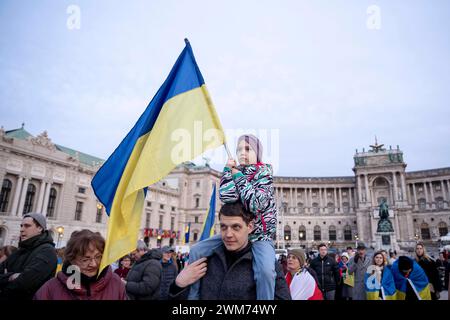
column 322, row 245
column 141, row 246
column 236, row 209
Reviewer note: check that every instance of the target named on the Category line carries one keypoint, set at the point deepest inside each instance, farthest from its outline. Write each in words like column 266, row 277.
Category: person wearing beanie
column 301, row 280
column 29, row 267
column 251, row 183
column 410, row 280
column 358, row 267
column 347, row 280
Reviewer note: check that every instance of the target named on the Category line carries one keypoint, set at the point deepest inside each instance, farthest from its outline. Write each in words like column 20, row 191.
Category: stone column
column 394, row 178
column 305, row 198
column 16, row 198
column 340, row 200
column 404, row 193
column 41, row 196
column 426, row 193
column 359, row 189
column 2, row 177
column 335, row 198
column 415, row 195
column 310, row 199
column 366, row 181
column 46, row 197
column 444, row 194
column 296, row 197
column 22, row 196
column 350, row 203
column 432, row 194
column 321, row 206
column 291, row 199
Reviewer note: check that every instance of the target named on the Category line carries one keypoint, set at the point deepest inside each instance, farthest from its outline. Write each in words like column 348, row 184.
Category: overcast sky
column 324, row 76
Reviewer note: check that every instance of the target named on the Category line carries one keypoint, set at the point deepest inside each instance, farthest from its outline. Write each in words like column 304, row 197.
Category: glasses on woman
column 85, row 261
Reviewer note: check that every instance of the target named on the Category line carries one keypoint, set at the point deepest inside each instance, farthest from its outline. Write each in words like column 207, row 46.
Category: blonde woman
column 429, row 266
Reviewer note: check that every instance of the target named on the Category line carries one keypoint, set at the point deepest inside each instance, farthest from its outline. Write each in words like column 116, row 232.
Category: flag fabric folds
column 379, row 284
column 303, row 286
column 417, row 279
column 208, row 224
column 179, row 124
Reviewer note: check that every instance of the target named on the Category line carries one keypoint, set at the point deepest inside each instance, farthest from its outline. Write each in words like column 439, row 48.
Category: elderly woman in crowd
column 80, row 278
column 302, row 281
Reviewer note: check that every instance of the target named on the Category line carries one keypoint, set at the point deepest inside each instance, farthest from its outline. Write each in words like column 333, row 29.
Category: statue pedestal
column 386, row 241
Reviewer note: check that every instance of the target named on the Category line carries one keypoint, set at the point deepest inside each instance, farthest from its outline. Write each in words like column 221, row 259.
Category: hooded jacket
column 253, row 185
column 144, row 278
column 35, row 260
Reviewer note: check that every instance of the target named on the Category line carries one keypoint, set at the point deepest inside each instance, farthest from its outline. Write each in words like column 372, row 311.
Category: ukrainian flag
column 208, row 224
column 373, row 285
column 187, row 233
column 417, row 278
column 179, row 124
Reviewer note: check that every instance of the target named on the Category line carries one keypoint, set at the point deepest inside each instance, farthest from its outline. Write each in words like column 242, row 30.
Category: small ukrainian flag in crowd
column 208, row 224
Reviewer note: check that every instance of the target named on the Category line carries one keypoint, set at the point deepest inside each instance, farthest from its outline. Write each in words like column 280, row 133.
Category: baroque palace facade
column 39, row 175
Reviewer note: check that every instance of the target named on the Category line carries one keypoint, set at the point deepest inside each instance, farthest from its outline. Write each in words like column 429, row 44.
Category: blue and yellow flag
column 417, row 278
column 179, row 124
column 208, row 224
column 376, row 282
column 187, row 233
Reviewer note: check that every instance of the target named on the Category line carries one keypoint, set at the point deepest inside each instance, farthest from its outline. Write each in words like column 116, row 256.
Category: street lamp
column 356, row 241
column 60, row 231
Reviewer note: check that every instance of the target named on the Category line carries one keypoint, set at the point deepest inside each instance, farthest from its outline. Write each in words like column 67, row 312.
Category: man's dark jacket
column 327, row 271
column 36, row 262
column 144, row 278
column 231, row 283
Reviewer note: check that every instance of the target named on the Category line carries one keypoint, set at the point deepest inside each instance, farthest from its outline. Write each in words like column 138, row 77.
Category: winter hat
column 404, row 263
column 39, row 218
column 361, row 246
column 300, row 254
column 345, row 254
column 254, row 143
column 166, row 249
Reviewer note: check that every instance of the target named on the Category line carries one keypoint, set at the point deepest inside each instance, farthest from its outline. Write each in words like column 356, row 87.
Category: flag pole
column 227, row 150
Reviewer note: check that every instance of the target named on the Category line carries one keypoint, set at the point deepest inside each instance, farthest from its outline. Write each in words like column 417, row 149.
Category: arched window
column 302, row 233
column 315, row 207
column 4, row 195
column 317, row 234
column 332, row 233
column 197, row 201
column 195, row 235
column 51, row 203
column 301, row 207
column 330, row 207
column 99, row 215
column 425, row 231
column 348, row 233
column 443, row 229
column 29, row 199
column 287, row 233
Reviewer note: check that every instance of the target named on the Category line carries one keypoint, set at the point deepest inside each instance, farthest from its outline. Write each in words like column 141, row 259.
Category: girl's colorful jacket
column 254, row 186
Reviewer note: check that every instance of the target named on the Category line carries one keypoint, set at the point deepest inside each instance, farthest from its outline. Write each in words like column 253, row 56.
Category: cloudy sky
column 321, row 78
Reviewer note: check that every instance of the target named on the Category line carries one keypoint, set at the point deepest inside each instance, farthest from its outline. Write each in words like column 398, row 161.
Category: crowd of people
column 237, row 264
